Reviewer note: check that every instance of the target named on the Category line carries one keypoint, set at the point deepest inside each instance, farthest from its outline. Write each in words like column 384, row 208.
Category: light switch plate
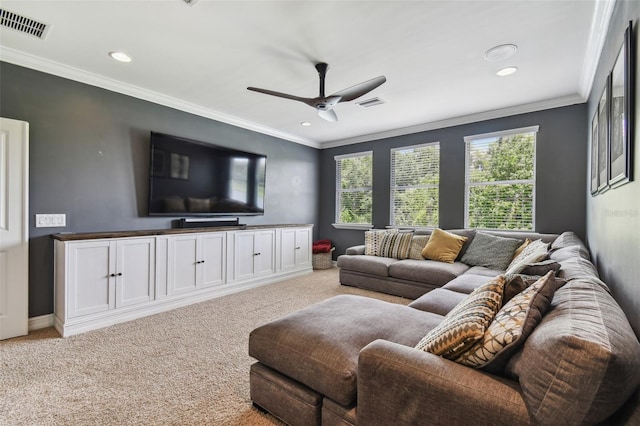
column 51, row 220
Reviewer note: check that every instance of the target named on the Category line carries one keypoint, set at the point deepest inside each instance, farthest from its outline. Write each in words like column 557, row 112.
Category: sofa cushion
column 490, row 251
column 467, row 282
column 469, row 234
column 581, row 362
column 443, row 246
column 569, row 252
column 439, row 301
column 431, row 271
column 466, row 323
column 373, row 265
column 319, row 345
column 395, row 245
column 541, row 268
column 511, row 326
column 484, row 271
column 566, row 239
column 578, row 268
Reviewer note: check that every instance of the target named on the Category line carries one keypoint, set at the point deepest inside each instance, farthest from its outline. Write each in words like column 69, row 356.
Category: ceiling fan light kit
column 325, row 104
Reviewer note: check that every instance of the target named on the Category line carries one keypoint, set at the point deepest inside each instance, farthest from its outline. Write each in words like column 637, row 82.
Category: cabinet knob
column 297, row 248
column 119, row 274
column 112, row 275
column 256, row 254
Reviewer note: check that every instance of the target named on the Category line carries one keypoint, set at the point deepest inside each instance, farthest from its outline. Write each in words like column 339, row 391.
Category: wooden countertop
column 75, row 236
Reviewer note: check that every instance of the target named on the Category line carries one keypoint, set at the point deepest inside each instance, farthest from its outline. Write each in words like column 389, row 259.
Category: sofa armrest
column 355, row 250
column 401, row 385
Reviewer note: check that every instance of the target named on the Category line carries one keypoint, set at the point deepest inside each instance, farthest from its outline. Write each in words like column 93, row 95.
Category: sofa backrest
column 582, row 362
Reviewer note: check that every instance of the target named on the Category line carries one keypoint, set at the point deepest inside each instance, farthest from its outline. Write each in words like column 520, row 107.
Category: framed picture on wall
column 594, row 154
column 621, row 96
column 603, row 139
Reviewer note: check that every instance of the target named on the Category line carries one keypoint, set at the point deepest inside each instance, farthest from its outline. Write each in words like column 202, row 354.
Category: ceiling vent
column 23, row 24
column 370, row 102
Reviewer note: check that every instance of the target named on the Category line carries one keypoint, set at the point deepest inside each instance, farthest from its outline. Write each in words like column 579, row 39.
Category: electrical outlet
column 51, row 220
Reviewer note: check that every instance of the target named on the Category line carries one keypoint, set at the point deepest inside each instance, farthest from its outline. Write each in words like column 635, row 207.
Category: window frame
column 393, row 187
column 468, row 140
column 345, row 225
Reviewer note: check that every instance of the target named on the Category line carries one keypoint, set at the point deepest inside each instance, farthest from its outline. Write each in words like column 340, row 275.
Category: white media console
column 111, row 277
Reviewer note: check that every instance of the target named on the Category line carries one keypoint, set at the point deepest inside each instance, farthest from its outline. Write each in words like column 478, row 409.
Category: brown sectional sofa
column 351, row 360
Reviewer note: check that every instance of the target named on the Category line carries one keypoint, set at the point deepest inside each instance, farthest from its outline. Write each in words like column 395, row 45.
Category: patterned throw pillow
column 466, row 323
column 443, row 246
column 417, row 245
column 372, row 240
column 511, row 326
column 395, row 244
column 534, row 252
column 490, row 251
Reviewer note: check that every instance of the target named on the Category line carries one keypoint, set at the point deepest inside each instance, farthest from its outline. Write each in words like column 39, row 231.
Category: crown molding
column 457, row 121
column 61, row 70
column 597, row 35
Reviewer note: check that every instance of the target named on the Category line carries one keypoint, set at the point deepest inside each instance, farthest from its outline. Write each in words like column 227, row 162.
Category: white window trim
column 471, row 138
column 340, row 225
column 391, row 181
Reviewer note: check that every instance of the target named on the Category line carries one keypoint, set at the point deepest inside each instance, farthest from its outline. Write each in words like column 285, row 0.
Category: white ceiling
column 201, row 57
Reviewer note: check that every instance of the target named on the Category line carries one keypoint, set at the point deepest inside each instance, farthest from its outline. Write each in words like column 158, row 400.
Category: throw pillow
column 491, row 251
column 372, row 240
column 534, row 252
column 511, row 326
column 443, row 246
column 527, row 241
column 417, row 245
column 466, row 323
column 541, row 268
column 395, row 245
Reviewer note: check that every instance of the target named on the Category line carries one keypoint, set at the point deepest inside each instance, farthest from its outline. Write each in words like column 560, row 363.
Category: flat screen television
column 192, row 178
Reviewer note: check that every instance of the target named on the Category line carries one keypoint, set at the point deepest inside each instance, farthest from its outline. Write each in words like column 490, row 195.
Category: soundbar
column 207, row 222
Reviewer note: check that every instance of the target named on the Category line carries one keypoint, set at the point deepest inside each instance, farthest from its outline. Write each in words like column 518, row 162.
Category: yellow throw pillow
column 522, row 247
column 443, row 246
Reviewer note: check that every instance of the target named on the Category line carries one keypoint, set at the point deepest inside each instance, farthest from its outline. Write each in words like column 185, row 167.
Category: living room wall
column 613, row 217
column 89, row 159
column 561, row 155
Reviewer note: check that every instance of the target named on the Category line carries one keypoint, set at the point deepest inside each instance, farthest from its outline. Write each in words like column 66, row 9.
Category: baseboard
column 43, row 321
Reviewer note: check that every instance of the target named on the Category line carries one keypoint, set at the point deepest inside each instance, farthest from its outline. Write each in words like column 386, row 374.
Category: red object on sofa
column 321, row 246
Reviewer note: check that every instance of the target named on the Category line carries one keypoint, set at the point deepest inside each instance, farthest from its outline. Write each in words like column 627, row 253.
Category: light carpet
column 188, row 366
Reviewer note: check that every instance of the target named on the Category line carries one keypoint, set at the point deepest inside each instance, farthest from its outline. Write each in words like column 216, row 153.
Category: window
column 354, row 188
column 415, row 178
column 500, row 180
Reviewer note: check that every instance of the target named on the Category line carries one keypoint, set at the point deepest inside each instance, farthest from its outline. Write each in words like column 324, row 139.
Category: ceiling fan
column 324, row 104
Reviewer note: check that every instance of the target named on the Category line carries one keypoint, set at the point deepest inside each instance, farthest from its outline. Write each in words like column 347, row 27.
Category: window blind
column 354, row 188
column 415, row 181
column 500, row 181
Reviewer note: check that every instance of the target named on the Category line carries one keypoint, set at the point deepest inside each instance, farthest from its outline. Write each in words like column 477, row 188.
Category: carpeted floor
column 188, row 366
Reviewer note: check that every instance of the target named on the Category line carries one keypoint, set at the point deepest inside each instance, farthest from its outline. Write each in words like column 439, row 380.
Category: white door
column 91, row 277
column 14, row 229
column 182, row 271
column 265, row 245
column 213, row 249
column 135, row 271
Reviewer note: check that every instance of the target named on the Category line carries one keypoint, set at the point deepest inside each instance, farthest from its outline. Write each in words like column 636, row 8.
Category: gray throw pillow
column 490, row 251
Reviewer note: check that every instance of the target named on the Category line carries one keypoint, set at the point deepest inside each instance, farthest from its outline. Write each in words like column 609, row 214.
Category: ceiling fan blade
column 307, row 101
column 328, row 114
column 358, row 90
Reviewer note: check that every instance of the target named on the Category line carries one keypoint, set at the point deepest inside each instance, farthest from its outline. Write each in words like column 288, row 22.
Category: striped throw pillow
column 396, row 245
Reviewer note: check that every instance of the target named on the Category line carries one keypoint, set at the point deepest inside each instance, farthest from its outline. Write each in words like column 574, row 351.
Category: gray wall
column 561, row 172
column 89, row 158
column 613, row 218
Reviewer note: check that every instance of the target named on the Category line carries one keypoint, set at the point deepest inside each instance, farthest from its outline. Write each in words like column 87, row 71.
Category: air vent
column 190, row 2
column 370, row 102
column 23, row 24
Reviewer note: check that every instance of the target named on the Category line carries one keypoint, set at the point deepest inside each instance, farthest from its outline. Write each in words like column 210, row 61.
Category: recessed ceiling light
column 305, row 123
column 120, row 56
column 500, row 52
column 506, row 71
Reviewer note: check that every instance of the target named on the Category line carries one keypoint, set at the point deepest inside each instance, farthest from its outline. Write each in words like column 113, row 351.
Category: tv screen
column 192, row 178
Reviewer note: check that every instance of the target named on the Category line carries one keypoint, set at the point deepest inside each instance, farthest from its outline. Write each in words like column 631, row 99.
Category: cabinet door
column 245, row 254
column 303, row 248
column 91, row 288
column 265, row 242
column 182, row 268
column 135, row 271
column 212, row 259
column 288, row 249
